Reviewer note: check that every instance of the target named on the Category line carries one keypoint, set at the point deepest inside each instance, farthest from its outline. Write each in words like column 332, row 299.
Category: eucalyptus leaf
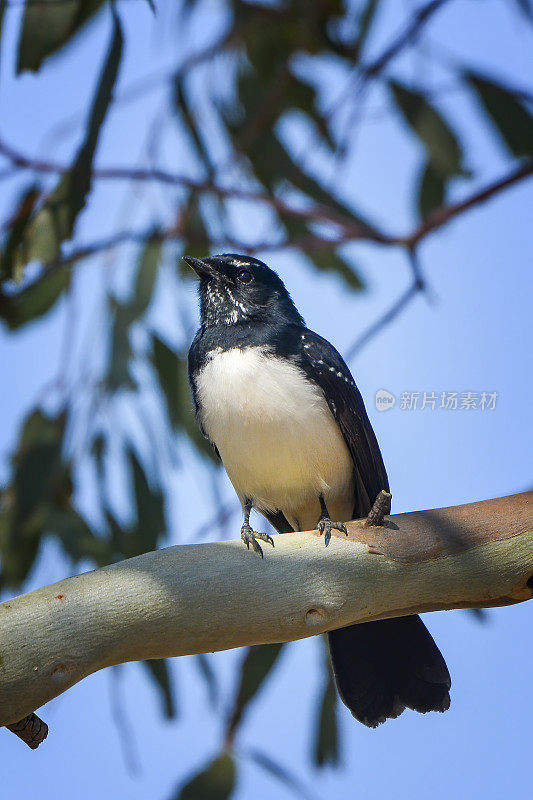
column 442, row 146
column 34, row 300
column 125, row 314
column 182, row 106
column 507, row 112
column 149, row 502
column 77, row 539
column 255, row 668
column 48, row 25
column 118, row 372
column 207, row 672
column 78, row 179
column 196, row 240
column 431, row 190
column 160, row 673
column 40, row 484
column 326, row 259
column 149, row 525
column 54, row 222
column 17, row 227
column 146, row 276
column 326, row 747
column 215, row 782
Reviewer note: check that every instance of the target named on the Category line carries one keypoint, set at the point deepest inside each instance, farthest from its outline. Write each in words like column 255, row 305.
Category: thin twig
column 418, row 285
column 316, row 213
column 445, row 213
column 407, row 36
column 394, row 311
column 352, row 229
column 363, row 74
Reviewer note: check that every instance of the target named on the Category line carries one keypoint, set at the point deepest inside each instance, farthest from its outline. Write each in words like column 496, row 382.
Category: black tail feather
column 385, row 666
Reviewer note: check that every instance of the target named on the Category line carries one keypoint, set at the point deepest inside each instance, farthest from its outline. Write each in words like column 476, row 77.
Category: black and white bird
column 281, row 408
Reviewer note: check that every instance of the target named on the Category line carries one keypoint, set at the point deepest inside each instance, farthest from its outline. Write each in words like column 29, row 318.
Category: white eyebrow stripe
column 237, row 263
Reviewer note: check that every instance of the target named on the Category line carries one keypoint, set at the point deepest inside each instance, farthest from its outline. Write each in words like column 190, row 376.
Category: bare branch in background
column 351, row 229
column 409, row 34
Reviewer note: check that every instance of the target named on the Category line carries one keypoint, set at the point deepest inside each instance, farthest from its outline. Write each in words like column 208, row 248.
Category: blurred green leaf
column 215, row 782
column 196, row 240
column 76, row 537
column 172, row 374
column 17, row 556
column 146, row 275
column 149, row 526
column 255, row 668
column 39, row 499
column 159, row 670
column 442, row 145
column 208, row 674
column 118, row 372
column 37, row 459
column 48, row 25
column 17, row 227
column 326, row 259
column 266, row 91
column 98, row 449
column 78, row 179
column 511, row 118
column 35, row 299
column 187, row 116
column 150, row 506
column 124, row 315
column 431, row 191
column 326, row 748
column 54, row 222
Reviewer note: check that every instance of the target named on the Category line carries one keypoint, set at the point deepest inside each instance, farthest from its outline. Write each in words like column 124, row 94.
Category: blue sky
column 470, row 334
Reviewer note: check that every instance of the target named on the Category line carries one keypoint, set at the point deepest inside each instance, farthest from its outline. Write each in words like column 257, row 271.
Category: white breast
column 277, row 438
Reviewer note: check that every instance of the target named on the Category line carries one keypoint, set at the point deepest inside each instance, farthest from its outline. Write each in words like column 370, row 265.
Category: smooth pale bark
column 200, row 598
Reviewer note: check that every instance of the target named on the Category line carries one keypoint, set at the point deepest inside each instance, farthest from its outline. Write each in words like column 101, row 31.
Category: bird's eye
column 244, row 275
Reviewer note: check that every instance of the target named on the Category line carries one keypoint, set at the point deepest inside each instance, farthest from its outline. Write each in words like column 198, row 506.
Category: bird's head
column 236, row 289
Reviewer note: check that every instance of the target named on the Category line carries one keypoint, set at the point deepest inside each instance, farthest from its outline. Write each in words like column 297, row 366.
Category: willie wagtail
column 281, row 409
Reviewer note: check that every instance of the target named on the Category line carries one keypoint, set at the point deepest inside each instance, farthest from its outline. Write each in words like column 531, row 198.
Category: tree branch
column 416, row 286
column 411, row 32
column 319, row 213
column 445, row 213
column 200, row 598
column 350, row 229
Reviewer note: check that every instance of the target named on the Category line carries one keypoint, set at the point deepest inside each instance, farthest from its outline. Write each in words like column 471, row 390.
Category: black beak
column 202, row 268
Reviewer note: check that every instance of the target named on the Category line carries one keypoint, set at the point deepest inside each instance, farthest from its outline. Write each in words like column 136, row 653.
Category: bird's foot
column 325, row 526
column 380, row 509
column 250, row 537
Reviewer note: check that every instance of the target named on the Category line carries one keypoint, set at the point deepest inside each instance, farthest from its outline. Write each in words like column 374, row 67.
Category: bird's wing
column 323, row 365
column 193, row 363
